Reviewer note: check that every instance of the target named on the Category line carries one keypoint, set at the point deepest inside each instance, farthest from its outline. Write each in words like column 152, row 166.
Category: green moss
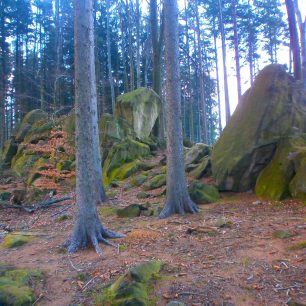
column 124, row 152
column 34, row 116
column 298, row 246
column 201, row 193
column 39, row 165
column 273, row 181
column 16, row 239
column 14, row 285
column 297, row 186
column 138, row 180
column 132, row 288
column 203, row 169
column 281, row 234
column 24, row 163
column 64, row 165
column 39, row 131
column 142, row 195
column 106, row 211
column 130, row 211
column 8, row 152
column 155, row 182
column 222, row 222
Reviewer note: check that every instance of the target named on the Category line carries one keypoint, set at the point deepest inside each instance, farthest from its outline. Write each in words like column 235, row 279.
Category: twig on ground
column 73, row 266
column 90, row 281
column 38, row 299
column 59, row 212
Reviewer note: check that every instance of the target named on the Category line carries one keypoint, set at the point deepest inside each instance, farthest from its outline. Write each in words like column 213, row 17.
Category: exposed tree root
column 177, row 206
column 93, row 233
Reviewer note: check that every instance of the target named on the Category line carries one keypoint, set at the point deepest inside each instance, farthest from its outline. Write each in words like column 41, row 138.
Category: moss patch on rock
column 203, row 169
column 15, row 285
column 138, row 180
column 132, row 288
column 202, row 194
column 155, row 182
column 16, row 239
column 8, row 152
column 195, row 153
column 130, row 211
column 273, row 181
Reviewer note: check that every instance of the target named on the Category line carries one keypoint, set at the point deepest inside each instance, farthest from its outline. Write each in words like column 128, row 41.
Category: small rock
column 257, row 203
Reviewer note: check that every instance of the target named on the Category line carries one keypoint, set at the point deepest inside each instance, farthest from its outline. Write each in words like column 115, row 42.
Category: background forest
column 36, row 54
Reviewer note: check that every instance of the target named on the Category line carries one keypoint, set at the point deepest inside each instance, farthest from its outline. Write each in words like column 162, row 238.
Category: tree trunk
column 138, row 76
column 294, row 40
column 109, row 58
column 88, row 228
column 131, row 52
column 236, row 45
column 178, row 199
column 201, row 73
column 226, row 95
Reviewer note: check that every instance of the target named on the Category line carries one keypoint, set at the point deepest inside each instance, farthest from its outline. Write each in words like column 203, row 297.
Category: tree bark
column 226, row 95
column 236, row 46
column 178, row 199
column 88, row 228
column 294, row 40
column 138, row 76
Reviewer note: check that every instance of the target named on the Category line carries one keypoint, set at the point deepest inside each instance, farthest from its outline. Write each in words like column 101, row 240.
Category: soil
column 227, row 254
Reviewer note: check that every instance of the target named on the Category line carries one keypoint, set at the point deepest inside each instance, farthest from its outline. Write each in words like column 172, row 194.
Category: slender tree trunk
column 294, row 40
column 250, row 46
column 218, row 83
column 226, row 95
column 138, row 76
column 109, row 58
column 191, row 121
column 88, row 228
column 131, row 52
column 177, row 200
column 236, row 45
column 201, row 73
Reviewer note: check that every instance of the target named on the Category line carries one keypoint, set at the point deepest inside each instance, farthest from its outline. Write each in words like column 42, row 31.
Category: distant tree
column 294, row 40
column 88, row 228
column 178, row 199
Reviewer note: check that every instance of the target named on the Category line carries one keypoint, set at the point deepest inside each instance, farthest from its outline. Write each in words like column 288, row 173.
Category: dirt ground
column 225, row 255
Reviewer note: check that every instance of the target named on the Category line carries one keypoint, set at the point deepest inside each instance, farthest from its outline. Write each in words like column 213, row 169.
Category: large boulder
column 140, row 108
column 202, row 194
column 272, row 108
column 196, row 153
column 8, row 152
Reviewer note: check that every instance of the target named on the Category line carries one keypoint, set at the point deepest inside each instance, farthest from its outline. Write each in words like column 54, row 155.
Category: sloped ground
column 228, row 254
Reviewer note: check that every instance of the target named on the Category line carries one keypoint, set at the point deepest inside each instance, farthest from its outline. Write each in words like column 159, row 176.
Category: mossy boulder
column 132, row 288
column 23, row 163
column 9, row 150
column 39, row 165
column 121, row 153
column 272, row 108
column 203, row 168
column 202, row 194
column 297, row 186
column 273, row 181
column 16, row 239
column 155, row 182
column 140, row 108
column 138, row 180
column 40, row 130
column 28, row 121
column 15, row 285
column 64, row 165
column 130, row 211
column 142, row 195
column 195, row 153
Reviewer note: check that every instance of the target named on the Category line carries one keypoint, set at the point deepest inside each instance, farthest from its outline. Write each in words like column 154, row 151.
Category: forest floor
column 230, row 253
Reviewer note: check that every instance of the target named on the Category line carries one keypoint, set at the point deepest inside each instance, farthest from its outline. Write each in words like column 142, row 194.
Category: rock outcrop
column 273, row 108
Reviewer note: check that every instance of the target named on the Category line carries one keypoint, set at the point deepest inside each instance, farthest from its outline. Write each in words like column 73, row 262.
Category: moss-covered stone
column 273, row 181
column 64, row 165
column 132, row 288
column 17, row 239
column 155, row 182
column 15, row 285
column 107, row 211
column 40, row 130
column 201, row 193
column 23, row 163
column 5, row 195
column 140, row 108
column 138, row 180
column 203, row 169
column 282, row 234
column 121, row 153
column 267, row 112
column 130, row 211
column 9, row 151
column 297, row 186
column 195, row 153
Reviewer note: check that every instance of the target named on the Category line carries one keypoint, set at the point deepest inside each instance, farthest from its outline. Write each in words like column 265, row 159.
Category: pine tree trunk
column 88, row 228
column 226, row 95
column 138, row 76
column 109, row 59
column 236, row 45
column 201, row 73
column 294, row 40
column 177, row 200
